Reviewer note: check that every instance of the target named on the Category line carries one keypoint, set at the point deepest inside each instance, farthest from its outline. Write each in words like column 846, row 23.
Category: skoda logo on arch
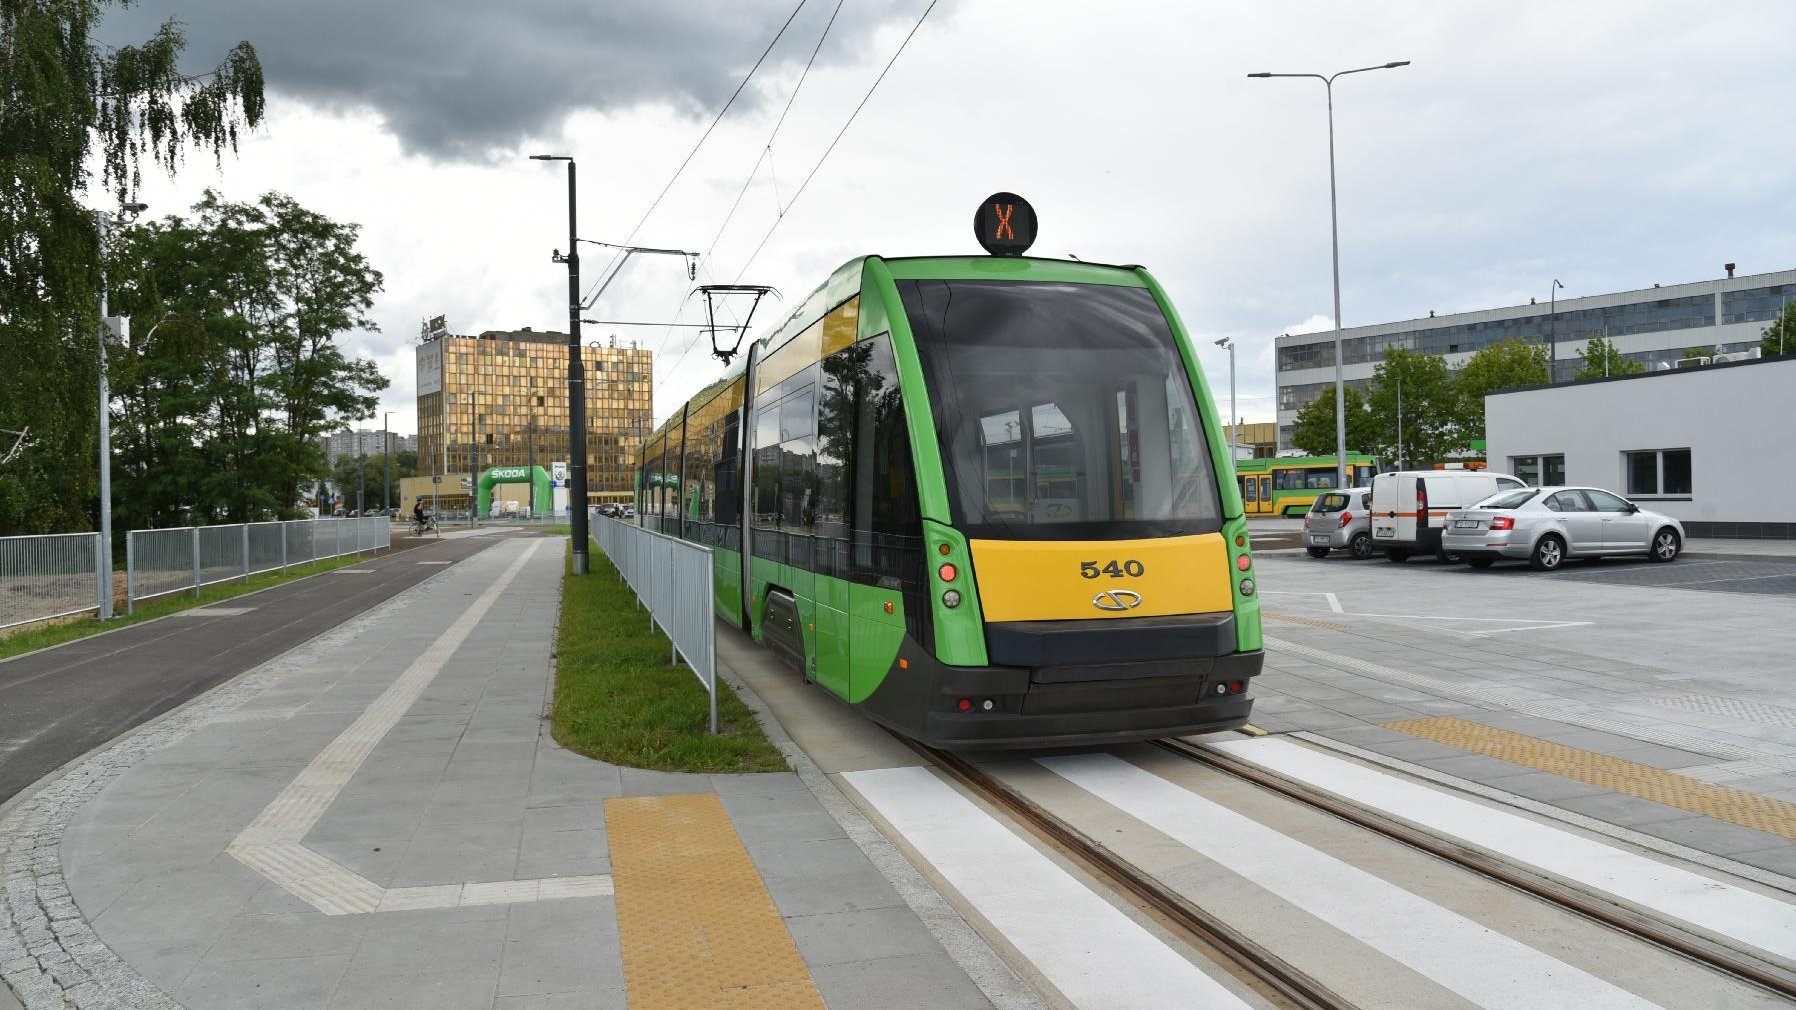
column 1117, row 599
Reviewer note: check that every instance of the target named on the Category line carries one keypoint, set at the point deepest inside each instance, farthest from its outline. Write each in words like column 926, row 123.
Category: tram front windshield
column 1063, row 411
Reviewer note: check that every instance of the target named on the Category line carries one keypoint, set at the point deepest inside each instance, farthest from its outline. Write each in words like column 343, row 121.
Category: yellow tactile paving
column 1308, row 622
column 1736, row 806
column 699, row 930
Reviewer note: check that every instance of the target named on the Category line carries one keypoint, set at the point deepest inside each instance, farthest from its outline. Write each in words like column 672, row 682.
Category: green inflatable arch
column 542, row 501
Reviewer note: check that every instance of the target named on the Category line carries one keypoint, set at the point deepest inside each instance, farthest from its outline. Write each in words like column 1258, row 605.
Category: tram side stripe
column 1484, row 966
column 1095, row 955
column 1756, row 920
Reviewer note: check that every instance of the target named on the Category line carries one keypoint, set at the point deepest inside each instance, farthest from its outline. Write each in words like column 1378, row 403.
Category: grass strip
column 618, row 700
column 30, row 638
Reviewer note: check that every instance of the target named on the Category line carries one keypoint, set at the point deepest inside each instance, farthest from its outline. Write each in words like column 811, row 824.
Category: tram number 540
column 1114, row 569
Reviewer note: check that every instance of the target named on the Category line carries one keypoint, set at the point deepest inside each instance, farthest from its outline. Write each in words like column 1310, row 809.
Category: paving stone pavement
column 120, row 893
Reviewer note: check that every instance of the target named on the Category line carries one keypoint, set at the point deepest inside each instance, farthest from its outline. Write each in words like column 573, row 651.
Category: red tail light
column 1346, row 517
column 1503, row 523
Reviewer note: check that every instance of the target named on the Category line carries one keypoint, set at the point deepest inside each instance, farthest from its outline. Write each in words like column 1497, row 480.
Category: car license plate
column 1465, row 524
column 1318, row 540
column 1384, row 533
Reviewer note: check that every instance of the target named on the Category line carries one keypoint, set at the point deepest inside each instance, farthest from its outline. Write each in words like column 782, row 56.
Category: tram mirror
column 1005, row 225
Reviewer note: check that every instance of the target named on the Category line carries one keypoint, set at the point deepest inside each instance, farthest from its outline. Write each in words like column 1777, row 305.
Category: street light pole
column 104, row 222
column 1553, row 329
column 1328, row 83
column 1234, row 412
column 386, row 448
column 576, row 378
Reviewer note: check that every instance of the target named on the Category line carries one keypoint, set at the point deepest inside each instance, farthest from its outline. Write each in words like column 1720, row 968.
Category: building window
column 1658, row 471
column 1539, row 471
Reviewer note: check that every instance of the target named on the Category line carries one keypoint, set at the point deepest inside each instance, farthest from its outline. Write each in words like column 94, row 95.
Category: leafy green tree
column 1314, row 429
column 1432, row 412
column 1505, row 365
column 349, row 472
column 1780, row 336
column 225, row 394
column 67, row 105
column 1601, row 358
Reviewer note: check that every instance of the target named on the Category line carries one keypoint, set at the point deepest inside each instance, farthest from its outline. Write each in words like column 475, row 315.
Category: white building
column 1705, row 445
column 363, row 442
column 1653, row 326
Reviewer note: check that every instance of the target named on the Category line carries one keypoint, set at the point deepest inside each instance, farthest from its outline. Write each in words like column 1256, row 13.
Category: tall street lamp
column 386, row 449
column 1234, row 412
column 576, row 377
column 1553, row 329
column 1328, row 83
column 104, row 222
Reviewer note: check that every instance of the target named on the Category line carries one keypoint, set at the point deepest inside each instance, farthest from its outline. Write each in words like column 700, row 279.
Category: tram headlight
column 1246, row 587
column 951, row 599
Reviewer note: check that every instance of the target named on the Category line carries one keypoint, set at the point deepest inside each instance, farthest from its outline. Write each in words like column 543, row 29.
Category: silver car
column 1546, row 525
column 1340, row 520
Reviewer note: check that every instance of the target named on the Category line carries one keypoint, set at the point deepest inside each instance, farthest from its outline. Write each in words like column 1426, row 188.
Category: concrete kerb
column 995, row 979
column 50, row 956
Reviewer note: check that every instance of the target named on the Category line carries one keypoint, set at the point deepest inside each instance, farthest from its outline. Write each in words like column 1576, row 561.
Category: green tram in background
column 1288, row 485
column 977, row 499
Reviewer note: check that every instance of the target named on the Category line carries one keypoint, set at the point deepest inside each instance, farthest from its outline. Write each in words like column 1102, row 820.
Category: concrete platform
column 380, row 818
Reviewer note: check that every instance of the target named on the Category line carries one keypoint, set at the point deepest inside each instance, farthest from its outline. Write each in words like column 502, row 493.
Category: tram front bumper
column 972, row 708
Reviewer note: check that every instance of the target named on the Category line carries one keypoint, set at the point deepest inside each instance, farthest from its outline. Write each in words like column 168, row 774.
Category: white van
column 1409, row 507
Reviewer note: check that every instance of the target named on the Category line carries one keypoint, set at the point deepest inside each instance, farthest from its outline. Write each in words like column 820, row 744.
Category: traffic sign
column 1005, row 225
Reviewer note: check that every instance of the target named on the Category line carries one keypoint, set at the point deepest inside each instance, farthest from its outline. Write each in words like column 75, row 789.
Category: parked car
column 1545, row 526
column 1339, row 520
column 1409, row 507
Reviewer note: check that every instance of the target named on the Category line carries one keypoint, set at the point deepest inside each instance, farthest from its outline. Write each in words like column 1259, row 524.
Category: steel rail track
column 1205, row 932
column 1487, row 867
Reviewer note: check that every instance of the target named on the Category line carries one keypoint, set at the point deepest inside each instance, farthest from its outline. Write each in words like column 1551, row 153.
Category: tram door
column 1265, row 495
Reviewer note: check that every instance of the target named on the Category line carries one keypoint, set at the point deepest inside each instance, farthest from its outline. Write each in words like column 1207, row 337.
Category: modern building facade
column 500, row 399
column 1694, row 443
column 1256, row 440
column 1653, row 326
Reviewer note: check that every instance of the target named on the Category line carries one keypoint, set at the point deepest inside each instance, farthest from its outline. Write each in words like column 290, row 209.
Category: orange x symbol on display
column 1004, row 210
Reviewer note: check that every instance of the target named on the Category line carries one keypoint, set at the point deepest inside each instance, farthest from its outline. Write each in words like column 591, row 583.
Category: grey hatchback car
column 1340, row 520
column 1546, row 525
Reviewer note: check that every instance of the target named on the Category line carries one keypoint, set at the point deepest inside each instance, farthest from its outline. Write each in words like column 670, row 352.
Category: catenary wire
column 704, row 136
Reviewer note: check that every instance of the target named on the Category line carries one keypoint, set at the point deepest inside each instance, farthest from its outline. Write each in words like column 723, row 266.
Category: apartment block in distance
column 500, row 399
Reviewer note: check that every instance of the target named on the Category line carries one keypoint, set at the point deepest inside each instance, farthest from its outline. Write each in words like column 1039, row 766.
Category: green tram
column 978, row 500
column 1289, row 485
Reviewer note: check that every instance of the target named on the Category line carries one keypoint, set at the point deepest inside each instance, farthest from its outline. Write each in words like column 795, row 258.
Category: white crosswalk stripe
column 1711, row 905
column 1096, row 956
column 1478, row 963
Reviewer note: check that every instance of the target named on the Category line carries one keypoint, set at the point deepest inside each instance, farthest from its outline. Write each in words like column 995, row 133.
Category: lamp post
column 576, row 377
column 1328, row 83
column 104, row 222
column 1228, row 343
column 386, row 449
column 1553, row 329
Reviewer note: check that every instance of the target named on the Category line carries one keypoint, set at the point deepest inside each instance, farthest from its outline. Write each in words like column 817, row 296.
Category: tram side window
column 728, row 511
column 867, row 495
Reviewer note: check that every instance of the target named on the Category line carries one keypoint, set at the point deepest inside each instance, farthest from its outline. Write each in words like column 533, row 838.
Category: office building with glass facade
column 500, row 399
column 1653, row 326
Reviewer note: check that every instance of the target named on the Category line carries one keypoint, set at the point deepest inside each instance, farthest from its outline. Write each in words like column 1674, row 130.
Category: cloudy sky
column 1609, row 144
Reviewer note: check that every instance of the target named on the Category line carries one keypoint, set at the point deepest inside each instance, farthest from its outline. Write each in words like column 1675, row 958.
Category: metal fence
column 51, row 576
column 673, row 579
column 158, row 562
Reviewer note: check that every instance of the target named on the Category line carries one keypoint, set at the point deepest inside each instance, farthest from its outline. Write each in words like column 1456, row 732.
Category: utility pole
column 105, row 435
column 474, row 458
column 1399, row 420
column 1234, row 411
column 1553, row 329
column 576, row 377
column 361, row 473
column 386, row 448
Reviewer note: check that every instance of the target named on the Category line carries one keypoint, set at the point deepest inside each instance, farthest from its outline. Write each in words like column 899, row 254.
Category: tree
column 1314, row 429
column 66, row 104
column 237, row 371
column 1780, row 336
column 1432, row 408
column 1505, row 365
column 1602, row 359
column 350, row 471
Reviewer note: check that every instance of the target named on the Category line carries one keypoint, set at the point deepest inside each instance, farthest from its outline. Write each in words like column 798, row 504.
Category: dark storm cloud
column 455, row 78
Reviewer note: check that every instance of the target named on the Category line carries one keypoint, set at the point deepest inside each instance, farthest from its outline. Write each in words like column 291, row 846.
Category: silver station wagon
column 1546, row 525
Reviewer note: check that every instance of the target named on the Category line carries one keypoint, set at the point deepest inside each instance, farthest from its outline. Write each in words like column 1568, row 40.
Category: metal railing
column 673, row 579
column 159, row 562
column 42, row 577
